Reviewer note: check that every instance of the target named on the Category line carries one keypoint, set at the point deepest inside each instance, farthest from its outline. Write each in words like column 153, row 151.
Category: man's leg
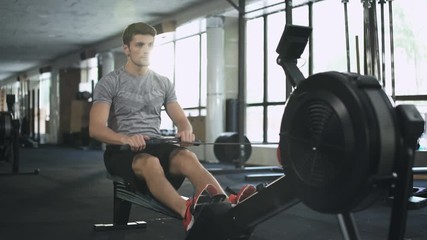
column 149, row 169
column 184, row 162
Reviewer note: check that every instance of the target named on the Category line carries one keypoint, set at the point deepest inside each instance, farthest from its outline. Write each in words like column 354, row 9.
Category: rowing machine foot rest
column 124, row 196
column 110, row 226
column 212, row 224
column 420, row 192
column 415, row 202
column 263, row 176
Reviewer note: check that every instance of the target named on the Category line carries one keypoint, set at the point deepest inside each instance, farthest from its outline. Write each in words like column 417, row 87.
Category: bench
column 124, row 196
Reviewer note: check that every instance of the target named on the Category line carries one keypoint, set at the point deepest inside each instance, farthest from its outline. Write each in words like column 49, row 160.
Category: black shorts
column 119, row 163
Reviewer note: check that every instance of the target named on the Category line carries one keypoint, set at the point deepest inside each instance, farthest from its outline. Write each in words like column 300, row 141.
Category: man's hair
column 137, row 28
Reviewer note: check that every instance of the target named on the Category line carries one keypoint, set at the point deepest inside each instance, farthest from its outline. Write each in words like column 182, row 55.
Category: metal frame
column 124, row 196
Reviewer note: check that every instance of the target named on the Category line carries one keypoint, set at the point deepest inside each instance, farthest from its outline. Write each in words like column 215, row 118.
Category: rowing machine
column 339, row 131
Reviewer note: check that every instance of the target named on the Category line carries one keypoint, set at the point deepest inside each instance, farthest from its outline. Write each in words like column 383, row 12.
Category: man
column 126, row 111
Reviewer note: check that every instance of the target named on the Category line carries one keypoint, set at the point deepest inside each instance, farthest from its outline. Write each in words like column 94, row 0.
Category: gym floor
column 71, row 193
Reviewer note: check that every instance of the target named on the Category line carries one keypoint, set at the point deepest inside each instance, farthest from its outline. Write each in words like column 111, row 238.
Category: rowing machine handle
column 157, row 141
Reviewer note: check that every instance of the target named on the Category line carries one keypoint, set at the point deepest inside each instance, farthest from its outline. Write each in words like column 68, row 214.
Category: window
column 410, row 59
column 255, row 61
column 44, row 98
column 187, row 73
column 162, row 59
column 183, row 60
column 410, row 42
column 254, row 123
column 276, row 80
column 275, row 114
column 329, row 40
column 329, row 53
column 88, row 74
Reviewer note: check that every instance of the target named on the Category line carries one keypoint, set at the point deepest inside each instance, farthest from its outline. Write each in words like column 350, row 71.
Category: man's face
column 139, row 49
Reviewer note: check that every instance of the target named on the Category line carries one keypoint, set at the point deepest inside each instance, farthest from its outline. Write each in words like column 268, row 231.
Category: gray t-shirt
column 136, row 102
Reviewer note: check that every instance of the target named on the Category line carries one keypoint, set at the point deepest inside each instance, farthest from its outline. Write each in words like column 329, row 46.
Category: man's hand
column 136, row 142
column 186, row 138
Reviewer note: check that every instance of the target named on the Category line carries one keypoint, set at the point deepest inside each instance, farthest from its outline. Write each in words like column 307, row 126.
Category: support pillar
column 215, row 83
column 54, row 107
column 106, row 60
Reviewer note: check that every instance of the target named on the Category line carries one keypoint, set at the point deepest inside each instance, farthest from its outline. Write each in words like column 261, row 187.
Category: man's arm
column 176, row 113
column 98, row 129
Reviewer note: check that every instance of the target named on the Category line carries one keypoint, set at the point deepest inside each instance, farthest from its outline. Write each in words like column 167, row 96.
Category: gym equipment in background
column 227, row 148
column 9, row 144
column 9, row 147
column 9, row 140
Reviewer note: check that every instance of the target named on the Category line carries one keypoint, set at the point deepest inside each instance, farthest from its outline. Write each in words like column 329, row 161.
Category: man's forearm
column 184, row 125
column 106, row 135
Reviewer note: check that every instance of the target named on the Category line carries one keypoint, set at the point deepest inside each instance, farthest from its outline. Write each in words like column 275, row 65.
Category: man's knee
column 184, row 155
column 143, row 164
column 183, row 160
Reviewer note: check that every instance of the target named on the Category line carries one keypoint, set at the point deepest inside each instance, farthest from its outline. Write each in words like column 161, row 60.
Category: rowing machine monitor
column 291, row 46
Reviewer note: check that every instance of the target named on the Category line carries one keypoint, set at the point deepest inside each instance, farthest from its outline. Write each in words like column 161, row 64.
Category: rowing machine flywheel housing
column 339, row 141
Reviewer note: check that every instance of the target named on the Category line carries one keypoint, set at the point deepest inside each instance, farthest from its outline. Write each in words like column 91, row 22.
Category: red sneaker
column 245, row 192
column 194, row 203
